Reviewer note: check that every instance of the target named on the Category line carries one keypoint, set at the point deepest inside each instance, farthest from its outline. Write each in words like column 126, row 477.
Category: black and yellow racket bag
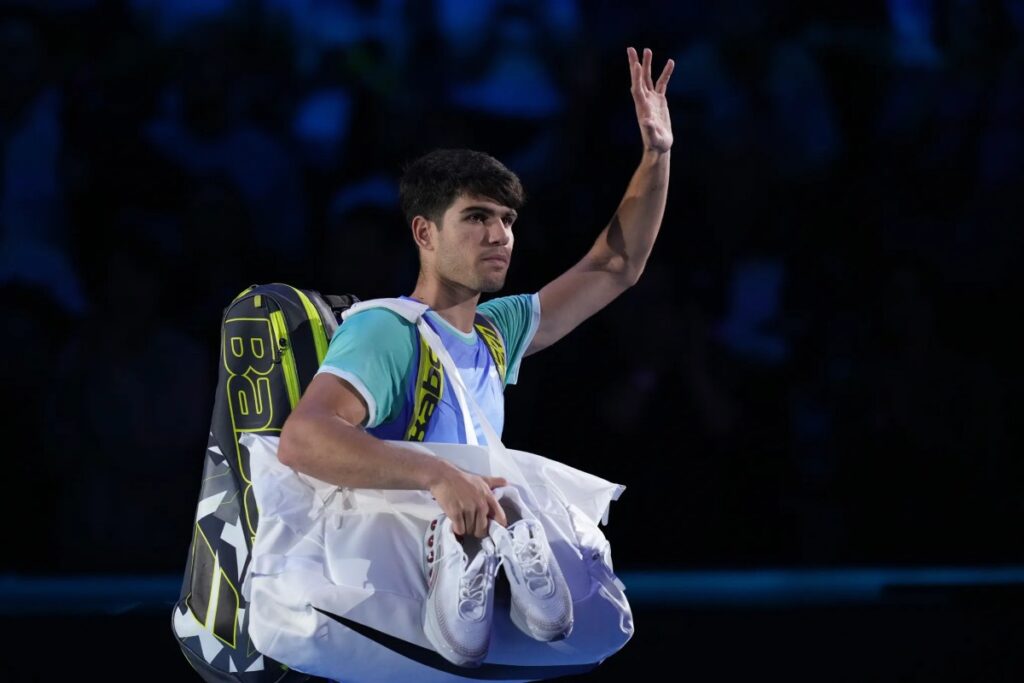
column 273, row 339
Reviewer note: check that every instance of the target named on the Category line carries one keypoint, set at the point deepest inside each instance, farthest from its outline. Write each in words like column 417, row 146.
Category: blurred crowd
column 817, row 366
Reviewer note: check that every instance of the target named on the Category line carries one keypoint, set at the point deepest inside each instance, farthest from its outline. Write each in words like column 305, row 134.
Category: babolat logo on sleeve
column 429, row 387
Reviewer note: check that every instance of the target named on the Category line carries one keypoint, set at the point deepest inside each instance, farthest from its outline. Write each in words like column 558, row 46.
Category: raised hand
column 650, row 101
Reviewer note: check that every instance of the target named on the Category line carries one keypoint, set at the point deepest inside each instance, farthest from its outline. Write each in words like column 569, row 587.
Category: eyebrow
column 511, row 213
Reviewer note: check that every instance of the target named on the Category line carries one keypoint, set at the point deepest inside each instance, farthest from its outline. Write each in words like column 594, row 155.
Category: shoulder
column 369, row 336
column 375, row 323
column 504, row 308
column 373, row 350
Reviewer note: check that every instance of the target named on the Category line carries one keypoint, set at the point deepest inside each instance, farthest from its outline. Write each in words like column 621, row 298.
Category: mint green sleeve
column 373, row 351
column 517, row 318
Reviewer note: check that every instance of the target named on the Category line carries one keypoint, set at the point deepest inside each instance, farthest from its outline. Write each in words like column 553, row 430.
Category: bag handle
column 415, row 313
column 500, row 462
column 467, row 403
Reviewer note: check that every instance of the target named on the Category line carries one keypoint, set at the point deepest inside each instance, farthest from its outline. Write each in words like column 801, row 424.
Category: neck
column 453, row 302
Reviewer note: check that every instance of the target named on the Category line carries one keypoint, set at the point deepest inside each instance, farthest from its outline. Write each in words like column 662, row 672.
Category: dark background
column 817, row 369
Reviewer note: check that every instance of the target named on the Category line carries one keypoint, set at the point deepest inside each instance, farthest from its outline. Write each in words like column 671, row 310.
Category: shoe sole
column 433, row 633
column 521, row 622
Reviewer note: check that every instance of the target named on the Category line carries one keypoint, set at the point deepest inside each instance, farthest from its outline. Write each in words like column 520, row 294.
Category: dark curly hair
column 431, row 183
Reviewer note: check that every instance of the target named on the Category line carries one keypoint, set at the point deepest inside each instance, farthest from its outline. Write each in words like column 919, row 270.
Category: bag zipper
column 291, row 373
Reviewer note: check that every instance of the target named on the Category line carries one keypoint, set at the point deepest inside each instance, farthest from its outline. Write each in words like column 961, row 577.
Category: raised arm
column 620, row 253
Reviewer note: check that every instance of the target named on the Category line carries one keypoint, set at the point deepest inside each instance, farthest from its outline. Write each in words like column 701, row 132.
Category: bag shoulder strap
column 410, row 310
column 427, row 391
column 491, row 335
column 434, row 361
column 429, row 385
column 331, row 307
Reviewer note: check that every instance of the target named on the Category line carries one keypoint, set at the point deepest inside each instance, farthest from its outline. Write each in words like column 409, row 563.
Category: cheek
column 462, row 246
column 452, row 254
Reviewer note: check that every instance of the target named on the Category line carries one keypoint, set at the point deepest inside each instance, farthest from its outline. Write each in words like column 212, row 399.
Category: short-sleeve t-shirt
column 377, row 352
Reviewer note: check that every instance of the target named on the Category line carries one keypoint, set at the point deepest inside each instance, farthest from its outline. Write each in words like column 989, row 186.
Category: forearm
column 626, row 243
column 330, row 449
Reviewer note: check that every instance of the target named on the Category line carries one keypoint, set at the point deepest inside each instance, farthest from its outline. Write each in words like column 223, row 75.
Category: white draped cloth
column 336, row 586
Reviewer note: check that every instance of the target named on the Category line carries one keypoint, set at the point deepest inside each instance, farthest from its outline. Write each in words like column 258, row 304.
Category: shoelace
column 472, row 596
column 533, row 560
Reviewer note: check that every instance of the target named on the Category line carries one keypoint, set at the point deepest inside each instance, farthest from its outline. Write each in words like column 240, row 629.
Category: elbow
column 625, row 272
column 289, row 448
column 630, row 275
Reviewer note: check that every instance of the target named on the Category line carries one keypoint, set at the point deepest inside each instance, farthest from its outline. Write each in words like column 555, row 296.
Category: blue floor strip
column 113, row 595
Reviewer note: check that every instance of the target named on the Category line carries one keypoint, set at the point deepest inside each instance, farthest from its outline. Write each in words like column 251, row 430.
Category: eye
column 476, row 218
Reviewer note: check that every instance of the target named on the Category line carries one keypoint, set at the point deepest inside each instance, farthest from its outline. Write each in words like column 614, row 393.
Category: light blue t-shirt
column 377, row 352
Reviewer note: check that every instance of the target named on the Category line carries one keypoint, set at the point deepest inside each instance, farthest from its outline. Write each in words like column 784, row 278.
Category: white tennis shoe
column 458, row 612
column 541, row 602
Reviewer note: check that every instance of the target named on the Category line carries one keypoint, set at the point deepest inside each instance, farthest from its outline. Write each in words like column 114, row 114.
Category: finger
column 496, row 482
column 631, row 56
column 648, row 59
column 458, row 528
column 634, row 65
column 666, row 73
column 636, row 76
column 480, row 522
column 497, row 513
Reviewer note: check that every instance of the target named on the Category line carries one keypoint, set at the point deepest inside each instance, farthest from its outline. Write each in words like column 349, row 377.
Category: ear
column 423, row 230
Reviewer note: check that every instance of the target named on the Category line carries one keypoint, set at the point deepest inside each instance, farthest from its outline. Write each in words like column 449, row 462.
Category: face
column 474, row 244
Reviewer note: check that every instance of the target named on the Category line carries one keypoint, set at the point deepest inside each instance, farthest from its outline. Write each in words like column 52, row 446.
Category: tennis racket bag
column 273, row 339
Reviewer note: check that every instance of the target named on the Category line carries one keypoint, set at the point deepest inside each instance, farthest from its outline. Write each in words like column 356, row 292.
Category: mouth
column 503, row 260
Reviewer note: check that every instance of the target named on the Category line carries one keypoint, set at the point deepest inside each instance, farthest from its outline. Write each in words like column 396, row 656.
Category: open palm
column 650, row 101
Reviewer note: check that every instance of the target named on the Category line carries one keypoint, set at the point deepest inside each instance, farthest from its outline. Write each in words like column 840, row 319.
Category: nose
column 498, row 233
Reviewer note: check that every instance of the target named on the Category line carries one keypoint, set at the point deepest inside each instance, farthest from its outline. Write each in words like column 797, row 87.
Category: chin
column 492, row 286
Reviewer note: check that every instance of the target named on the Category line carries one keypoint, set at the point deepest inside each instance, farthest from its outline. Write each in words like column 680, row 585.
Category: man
column 461, row 207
